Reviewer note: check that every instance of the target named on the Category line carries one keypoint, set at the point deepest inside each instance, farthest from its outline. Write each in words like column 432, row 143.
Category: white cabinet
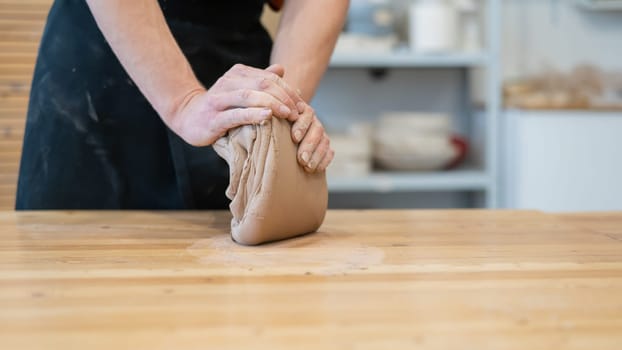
column 562, row 160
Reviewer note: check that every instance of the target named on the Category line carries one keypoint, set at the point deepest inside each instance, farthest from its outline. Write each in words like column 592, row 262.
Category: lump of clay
column 272, row 197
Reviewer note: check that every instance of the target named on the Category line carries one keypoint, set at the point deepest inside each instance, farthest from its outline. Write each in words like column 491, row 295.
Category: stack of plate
column 416, row 141
column 352, row 152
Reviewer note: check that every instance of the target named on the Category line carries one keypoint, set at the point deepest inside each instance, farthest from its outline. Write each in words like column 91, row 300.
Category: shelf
column 352, row 58
column 601, row 5
column 450, row 180
column 406, row 59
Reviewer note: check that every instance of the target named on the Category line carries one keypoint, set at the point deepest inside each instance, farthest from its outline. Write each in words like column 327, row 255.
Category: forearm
column 142, row 41
column 305, row 40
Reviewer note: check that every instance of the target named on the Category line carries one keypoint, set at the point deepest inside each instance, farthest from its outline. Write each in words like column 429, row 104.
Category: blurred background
column 435, row 103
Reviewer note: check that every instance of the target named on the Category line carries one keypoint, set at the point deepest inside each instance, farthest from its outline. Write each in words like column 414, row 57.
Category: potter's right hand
column 243, row 95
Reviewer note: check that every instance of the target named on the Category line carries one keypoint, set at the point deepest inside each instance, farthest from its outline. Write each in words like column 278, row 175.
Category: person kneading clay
column 127, row 94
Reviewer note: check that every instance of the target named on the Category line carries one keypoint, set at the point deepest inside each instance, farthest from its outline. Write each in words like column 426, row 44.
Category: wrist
column 175, row 109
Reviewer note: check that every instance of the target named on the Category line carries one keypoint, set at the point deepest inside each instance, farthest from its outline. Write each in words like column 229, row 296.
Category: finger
column 301, row 126
column 319, row 153
column 247, row 71
column 277, row 69
column 235, row 117
column 294, row 94
column 324, row 163
column 261, row 83
column 244, row 98
column 309, row 142
column 271, row 86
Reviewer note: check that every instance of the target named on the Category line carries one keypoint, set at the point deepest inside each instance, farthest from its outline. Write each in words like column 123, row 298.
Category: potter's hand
column 243, row 95
column 314, row 152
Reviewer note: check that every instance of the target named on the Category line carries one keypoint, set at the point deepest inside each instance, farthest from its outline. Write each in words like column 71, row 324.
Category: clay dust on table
column 318, row 253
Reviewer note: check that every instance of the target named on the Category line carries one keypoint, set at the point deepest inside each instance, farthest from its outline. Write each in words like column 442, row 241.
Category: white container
column 433, row 26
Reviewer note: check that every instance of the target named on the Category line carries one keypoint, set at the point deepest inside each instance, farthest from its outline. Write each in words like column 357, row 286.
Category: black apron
column 92, row 140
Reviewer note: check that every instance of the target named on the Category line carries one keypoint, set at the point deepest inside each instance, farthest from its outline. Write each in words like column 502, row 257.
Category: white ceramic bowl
column 415, row 122
column 415, row 153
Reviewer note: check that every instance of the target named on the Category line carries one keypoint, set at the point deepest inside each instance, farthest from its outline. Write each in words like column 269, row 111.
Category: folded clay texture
column 272, row 197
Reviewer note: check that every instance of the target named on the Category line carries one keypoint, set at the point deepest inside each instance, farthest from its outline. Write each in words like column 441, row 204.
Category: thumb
column 276, row 69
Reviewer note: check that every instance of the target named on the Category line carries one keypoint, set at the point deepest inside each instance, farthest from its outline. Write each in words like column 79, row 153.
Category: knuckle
column 212, row 102
column 308, row 113
column 274, row 106
column 265, row 83
column 242, row 70
column 220, row 81
column 329, row 155
column 225, row 80
column 316, row 126
column 245, row 94
column 321, row 147
column 304, row 127
column 273, row 78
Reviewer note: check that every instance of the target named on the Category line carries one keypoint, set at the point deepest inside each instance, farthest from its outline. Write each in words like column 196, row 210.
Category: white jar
column 433, row 26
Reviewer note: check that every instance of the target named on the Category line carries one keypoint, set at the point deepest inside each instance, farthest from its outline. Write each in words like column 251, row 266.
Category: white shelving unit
column 601, row 5
column 482, row 179
column 385, row 181
column 407, row 60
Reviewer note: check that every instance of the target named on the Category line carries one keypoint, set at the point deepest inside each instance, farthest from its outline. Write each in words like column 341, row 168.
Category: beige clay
column 272, row 197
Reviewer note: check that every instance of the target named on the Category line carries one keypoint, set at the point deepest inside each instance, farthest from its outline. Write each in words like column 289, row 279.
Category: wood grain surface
column 367, row 280
column 21, row 25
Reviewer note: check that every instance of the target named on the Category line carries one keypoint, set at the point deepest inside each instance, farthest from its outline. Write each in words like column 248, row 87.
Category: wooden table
column 369, row 279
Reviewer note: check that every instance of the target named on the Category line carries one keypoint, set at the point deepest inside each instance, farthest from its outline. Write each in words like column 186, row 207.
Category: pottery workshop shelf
column 406, row 60
column 446, row 78
column 455, row 180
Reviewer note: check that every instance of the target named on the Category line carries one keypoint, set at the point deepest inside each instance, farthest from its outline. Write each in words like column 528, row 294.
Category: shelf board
column 406, row 59
column 600, row 5
column 450, row 180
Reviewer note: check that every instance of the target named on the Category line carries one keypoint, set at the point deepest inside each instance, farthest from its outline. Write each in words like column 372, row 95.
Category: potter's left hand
column 314, row 152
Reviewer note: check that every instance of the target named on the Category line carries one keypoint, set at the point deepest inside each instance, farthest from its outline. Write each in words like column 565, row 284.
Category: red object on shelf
column 461, row 145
